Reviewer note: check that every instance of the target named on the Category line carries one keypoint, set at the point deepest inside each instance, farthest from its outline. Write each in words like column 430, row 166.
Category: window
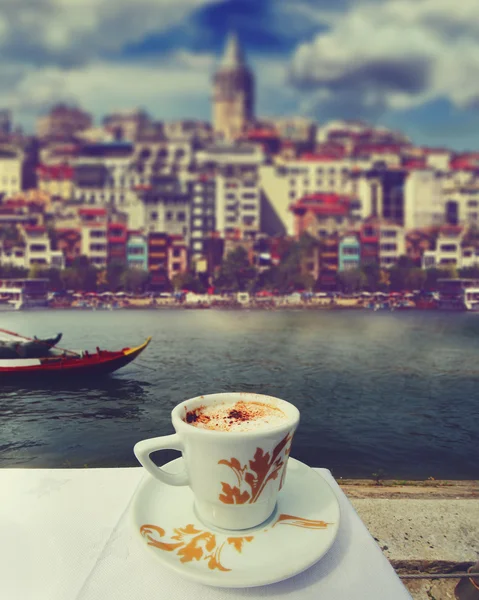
column 181, row 217
column 97, row 248
column 448, row 248
column 388, row 233
column 176, row 266
column 38, row 248
column 169, row 215
column 249, row 196
column 197, row 246
column 350, row 251
column 197, row 222
column 136, row 251
column 319, row 182
column 251, row 207
column 388, row 247
column 472, row 203
column 176, row 252
column 231, row 196
column 154, row 216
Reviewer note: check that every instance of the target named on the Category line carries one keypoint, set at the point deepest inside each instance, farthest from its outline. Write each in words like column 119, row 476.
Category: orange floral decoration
column 256, row 474
column 194, row 544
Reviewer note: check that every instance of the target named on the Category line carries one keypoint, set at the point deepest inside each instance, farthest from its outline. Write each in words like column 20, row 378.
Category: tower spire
column 233, row 56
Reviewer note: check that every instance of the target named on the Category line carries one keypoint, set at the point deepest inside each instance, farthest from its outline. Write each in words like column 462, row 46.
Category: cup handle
column 143, row 450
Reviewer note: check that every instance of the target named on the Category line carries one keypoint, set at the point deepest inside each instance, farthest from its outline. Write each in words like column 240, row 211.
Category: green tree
column 352, row 280
column 134, row 280
column 372, row 274
column 236, row 273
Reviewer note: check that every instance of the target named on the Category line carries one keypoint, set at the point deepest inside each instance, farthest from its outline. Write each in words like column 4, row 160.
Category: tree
column 134, row 280
column 236, row 273
column 352, row 280
column 187, row 281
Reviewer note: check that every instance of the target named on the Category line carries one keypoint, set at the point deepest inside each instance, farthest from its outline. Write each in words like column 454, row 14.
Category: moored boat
column 70, row 364
column 28, row 348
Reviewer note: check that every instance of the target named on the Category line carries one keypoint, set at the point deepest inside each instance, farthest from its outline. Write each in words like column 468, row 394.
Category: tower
column 233, row 93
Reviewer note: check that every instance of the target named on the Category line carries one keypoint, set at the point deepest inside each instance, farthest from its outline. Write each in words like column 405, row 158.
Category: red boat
column 70, row 364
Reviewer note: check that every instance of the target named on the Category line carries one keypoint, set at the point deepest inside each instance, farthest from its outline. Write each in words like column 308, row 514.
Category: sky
column 411, row 65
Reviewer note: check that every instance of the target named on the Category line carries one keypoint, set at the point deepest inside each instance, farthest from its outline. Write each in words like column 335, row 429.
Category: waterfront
column 390, row 391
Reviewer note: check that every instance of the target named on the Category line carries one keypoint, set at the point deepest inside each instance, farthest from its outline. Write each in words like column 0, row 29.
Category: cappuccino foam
column 236, row 416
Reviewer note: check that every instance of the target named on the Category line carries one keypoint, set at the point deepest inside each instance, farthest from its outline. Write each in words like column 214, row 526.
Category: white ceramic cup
column 235, row 476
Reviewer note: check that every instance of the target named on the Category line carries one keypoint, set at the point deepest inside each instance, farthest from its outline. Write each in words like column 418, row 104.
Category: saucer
column 301, row 530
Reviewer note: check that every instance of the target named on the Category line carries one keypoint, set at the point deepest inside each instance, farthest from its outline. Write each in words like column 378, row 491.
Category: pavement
column 422, row 527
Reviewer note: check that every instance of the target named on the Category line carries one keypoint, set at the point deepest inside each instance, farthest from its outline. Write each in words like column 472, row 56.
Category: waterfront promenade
column 421, row 527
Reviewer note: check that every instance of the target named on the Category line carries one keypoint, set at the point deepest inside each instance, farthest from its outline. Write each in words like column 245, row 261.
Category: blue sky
column 407, row 64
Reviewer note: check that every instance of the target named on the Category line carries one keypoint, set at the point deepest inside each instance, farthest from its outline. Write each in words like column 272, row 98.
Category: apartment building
column 11, row 164
column 38, row 250
column 137, row 251
column 94, row 235
column 56, row 180
column 203, row 216
column 349, row 252
column 177, row 261
column 448, row 251
column 103, row 174
column 392, row 244
column 165, row 206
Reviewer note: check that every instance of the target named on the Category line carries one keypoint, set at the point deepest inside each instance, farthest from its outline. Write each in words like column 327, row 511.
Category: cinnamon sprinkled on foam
column 235, row 416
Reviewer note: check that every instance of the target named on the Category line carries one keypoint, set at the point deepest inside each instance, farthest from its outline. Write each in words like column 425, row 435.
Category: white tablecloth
column 66, row 534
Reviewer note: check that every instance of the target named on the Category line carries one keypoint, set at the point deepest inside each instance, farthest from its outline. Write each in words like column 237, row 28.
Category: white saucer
column 300, row 531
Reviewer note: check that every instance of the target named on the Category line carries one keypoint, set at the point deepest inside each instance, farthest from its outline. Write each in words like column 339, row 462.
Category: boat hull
column 89, row 365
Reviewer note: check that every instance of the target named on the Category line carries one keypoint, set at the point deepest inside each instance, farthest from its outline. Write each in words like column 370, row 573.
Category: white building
column 392, row 244
column 11, row 161
column 38, row 251
column 423, row 200
column 448, row 251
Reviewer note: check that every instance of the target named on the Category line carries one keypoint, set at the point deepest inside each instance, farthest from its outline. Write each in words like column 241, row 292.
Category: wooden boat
column 30, row 348
column 69, row 364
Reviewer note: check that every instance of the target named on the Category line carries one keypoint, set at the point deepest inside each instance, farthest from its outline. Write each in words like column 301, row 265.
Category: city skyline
column 408, row 66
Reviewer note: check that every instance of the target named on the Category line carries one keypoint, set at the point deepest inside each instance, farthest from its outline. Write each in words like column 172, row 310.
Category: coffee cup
column 235, row 448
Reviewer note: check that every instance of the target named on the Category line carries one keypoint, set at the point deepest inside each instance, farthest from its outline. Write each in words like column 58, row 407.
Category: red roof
column 33, row 228
column 55, row 171
column 322, row 204
column 92, row 212
column 414, row 163
column 262, row 133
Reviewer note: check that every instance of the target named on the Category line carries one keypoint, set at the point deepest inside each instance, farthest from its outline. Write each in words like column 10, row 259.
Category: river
column 379, row 392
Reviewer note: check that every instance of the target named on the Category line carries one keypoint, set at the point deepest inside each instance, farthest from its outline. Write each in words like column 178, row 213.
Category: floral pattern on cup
column 252, row 477
column 196, row 544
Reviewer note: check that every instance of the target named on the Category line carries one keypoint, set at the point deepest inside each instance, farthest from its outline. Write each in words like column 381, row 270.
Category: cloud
column 173, row 88
column 383, row 56
column 69, row 34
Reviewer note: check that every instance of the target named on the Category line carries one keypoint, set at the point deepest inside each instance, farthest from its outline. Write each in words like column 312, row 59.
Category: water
column 396, row 392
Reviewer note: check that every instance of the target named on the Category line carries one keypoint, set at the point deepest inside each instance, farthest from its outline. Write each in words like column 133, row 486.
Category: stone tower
column 233, row 93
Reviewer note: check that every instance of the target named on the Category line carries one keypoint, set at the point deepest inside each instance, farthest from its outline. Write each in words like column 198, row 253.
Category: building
column 392, row 244
column 349, row 253
column 202, row 192
column 369, row 239
column 449, row 251
column 137, row 251
column 38, row 250
column 233, row 93
column 322, row 214
column 158, row 260
column 329, row 261
column 62, row 122
column 69, row 242
column 103, row 174
column 177, row 256
column 94, row 233
column 56, row 180
column 165, row 206
column 11, row 164
column 117, row 236
column 126, row 125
